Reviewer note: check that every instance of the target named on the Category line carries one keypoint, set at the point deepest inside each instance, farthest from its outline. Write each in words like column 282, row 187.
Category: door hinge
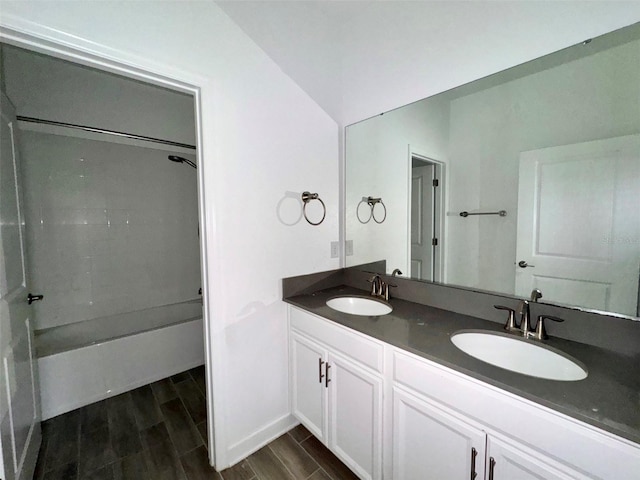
column 434, row 242
column 436, row 182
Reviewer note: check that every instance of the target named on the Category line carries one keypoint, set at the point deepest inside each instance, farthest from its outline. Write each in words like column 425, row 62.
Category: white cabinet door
column 355, row 416
column 308, row 385
column 509, row 461
column 430, row 444
column 19, row 395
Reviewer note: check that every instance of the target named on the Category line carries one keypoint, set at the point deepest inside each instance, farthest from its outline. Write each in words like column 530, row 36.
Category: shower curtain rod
column 107, row 132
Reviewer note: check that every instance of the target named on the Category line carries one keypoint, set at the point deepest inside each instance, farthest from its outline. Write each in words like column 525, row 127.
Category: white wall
column 262, row 136
column 358, row 59
column 399, row 52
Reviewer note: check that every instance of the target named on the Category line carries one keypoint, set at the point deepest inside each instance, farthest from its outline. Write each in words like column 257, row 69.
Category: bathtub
column 88, row 361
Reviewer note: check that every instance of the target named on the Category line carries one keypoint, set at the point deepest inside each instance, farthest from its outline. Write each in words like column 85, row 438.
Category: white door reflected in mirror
column 576, row 207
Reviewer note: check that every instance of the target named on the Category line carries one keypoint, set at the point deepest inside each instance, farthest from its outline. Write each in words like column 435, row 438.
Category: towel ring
column 366, row 201
column 373, row 201
column 306, row 198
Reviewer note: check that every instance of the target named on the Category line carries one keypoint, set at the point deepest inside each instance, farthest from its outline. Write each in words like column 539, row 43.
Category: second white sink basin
column 519, row 355
column 356, row 305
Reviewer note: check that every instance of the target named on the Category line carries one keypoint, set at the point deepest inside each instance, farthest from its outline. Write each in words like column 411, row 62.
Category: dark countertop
column 609, row 398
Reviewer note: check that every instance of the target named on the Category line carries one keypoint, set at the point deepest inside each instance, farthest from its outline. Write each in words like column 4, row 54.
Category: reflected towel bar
column 502, row 213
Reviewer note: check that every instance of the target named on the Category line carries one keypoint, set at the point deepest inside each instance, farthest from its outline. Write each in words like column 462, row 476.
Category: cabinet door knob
column 474, row 454
column 326, row 377
column 320, row 374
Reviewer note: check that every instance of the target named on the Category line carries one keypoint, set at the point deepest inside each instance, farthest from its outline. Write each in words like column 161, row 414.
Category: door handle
column 34, row 298
column 326, row 377
column 492, row 467
column 474, row 454
column 523, row 264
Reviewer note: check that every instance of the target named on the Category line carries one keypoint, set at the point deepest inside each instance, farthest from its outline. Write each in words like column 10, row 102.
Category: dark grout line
column 189, row 451
column 281, row 462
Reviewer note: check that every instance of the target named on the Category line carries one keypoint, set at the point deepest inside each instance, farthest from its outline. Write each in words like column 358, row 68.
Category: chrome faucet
column 525, row 322
column 535, row 295
column 525, row 329
column 396, row 272
column 376, row 285
column 525, row 317
column 379, row 288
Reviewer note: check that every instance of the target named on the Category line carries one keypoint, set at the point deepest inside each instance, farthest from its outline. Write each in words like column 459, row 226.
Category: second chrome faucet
column 525, row 329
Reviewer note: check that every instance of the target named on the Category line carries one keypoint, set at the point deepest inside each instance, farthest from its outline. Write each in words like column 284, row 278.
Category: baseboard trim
column 254, row 442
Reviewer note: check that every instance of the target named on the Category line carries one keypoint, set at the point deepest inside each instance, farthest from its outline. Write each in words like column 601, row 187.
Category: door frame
column 66, row 47
column 441, row 200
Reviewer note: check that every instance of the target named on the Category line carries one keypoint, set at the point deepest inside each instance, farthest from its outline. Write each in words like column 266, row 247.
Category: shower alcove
column 111, row 228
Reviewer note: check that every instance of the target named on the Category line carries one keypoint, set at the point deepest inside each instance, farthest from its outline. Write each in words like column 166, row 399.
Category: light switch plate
column 335, row 249
column 349, row 248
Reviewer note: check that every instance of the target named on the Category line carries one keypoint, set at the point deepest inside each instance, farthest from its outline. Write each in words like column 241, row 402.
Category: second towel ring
column 372, row 202
column 306, row 198
column 364, row 200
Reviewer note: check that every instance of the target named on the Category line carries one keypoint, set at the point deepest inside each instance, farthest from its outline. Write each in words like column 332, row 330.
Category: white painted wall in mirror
column 481, row 136
column 378, row 165
column 489, row 129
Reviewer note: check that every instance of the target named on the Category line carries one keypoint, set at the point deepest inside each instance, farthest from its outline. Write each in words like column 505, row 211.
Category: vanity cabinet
column 336, row 390
column 430, row 442
column 441, row 417
column 507, row 460
column 309, row 397
column 386, row 412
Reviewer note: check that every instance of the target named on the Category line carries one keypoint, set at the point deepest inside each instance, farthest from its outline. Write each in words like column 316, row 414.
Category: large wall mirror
column 529, row 178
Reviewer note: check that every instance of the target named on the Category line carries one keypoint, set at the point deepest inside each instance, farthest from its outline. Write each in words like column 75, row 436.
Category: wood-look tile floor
column 159, row 432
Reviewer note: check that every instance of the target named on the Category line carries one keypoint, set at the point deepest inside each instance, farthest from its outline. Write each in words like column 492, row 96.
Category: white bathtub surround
column 55, row 340
column 89, row 361
column 110, row 228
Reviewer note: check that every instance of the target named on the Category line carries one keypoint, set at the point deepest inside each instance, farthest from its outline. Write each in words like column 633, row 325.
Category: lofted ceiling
column 360, row 58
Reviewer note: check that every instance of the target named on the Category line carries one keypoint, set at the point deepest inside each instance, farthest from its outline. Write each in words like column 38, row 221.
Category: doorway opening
column 107, row 233
column 425, row 226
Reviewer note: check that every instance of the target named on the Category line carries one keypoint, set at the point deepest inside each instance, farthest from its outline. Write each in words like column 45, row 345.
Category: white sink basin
column 359, row 305
column 519, row 355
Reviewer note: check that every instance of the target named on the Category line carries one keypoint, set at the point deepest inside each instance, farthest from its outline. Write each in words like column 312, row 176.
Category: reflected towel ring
column 364, row 200
column 306, row 198
column 373, row 201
